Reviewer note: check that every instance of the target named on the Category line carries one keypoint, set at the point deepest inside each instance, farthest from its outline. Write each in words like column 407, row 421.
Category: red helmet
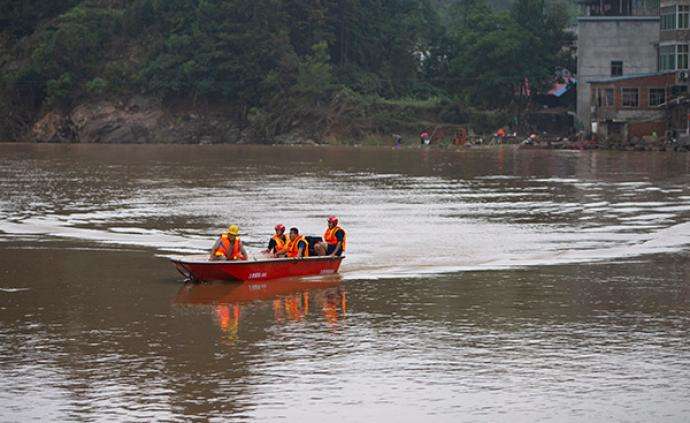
column 280, row 227
column 332, row 219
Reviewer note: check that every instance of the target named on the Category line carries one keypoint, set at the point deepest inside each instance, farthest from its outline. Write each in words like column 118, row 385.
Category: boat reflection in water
column 292, row 300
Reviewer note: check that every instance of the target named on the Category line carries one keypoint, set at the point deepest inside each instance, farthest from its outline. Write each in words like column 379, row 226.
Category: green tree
column 58, row 90
column 314, row 75
column 97, row 86
column 19, row 18
column 378, row 43
column 283, row 61
column 218, row 49
column 494, row 55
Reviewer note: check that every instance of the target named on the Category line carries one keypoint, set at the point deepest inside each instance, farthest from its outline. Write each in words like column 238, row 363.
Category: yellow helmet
column 233, row 230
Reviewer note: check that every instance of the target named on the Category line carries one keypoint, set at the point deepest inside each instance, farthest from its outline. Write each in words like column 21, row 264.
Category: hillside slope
column 263, row 70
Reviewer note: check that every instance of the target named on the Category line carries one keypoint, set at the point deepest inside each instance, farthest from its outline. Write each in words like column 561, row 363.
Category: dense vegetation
column 277, row 64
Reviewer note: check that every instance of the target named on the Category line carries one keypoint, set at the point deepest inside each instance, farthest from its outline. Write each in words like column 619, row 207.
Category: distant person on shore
column 297, row 246
column 531, row 140
column 460, row 137
column 334, row 239
column 228, row 246
column 500, row 135
column 424, row 138
column 278, row 241
column 398, row 140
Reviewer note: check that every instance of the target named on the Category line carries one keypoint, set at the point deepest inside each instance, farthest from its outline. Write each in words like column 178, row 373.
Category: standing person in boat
column 334, row 239
column 297, row 246
column 228, row 246
column 278, row 241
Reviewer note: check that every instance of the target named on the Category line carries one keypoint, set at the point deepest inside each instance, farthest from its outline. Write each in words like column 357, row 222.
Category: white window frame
column 678, row 14
column 683, row 54
column 672, row 55
column 682, row 10
column 678, row 54
column 672, row 12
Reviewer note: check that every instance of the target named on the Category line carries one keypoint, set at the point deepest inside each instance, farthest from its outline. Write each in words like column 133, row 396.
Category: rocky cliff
column 138, row 120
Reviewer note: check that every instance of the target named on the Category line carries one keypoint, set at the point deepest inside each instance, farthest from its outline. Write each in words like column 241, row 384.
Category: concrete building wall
column 602, row 39
column 645, row 129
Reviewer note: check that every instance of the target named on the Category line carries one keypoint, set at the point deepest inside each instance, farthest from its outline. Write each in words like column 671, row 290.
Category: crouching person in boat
column 228, row 246
column 334, row 239
column 297, row 246
column 278, row 242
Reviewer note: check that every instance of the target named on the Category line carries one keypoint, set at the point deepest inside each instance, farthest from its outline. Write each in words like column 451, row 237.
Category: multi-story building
column 616, row 38
column 674, row 35
column 629, row 107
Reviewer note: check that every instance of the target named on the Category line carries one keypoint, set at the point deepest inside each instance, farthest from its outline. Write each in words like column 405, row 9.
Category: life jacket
column 293, row 247
column 224, row 249
column 329, row 237
column 281, row 242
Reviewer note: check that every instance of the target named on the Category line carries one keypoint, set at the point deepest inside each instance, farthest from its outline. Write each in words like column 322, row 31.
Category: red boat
column 200, row 268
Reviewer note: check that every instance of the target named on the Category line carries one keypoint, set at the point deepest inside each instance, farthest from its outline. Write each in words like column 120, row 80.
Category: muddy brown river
column 480, row 285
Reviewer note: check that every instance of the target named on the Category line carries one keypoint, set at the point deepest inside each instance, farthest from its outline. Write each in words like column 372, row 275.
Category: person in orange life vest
column 500, row 135
column 228, row 246
column 278, row 241
column 334, row 239
column 297, row 246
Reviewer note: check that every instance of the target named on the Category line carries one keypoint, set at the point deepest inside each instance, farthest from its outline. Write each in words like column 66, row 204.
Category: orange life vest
column 329, row 237
column 293, row 247
column 280, row 242
column 224, row 249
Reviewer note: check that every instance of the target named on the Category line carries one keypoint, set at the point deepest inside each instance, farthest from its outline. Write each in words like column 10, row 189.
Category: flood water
column 481, row 285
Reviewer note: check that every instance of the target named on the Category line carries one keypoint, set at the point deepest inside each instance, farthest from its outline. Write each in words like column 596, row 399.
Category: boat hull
column 202, row 269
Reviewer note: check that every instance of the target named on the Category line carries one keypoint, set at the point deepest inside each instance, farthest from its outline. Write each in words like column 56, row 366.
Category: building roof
column 631, row 76
column 560, row 88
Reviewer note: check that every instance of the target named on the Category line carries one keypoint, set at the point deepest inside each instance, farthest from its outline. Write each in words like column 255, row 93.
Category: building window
column 677, row 90
column 668, row 18
column 616, row 68
column 629, row 97
column 683, row 13
column 674, row 17
column 605, row 97
column 682, row 53
column 657, row 96
column 667, row 58
column 672, row 57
